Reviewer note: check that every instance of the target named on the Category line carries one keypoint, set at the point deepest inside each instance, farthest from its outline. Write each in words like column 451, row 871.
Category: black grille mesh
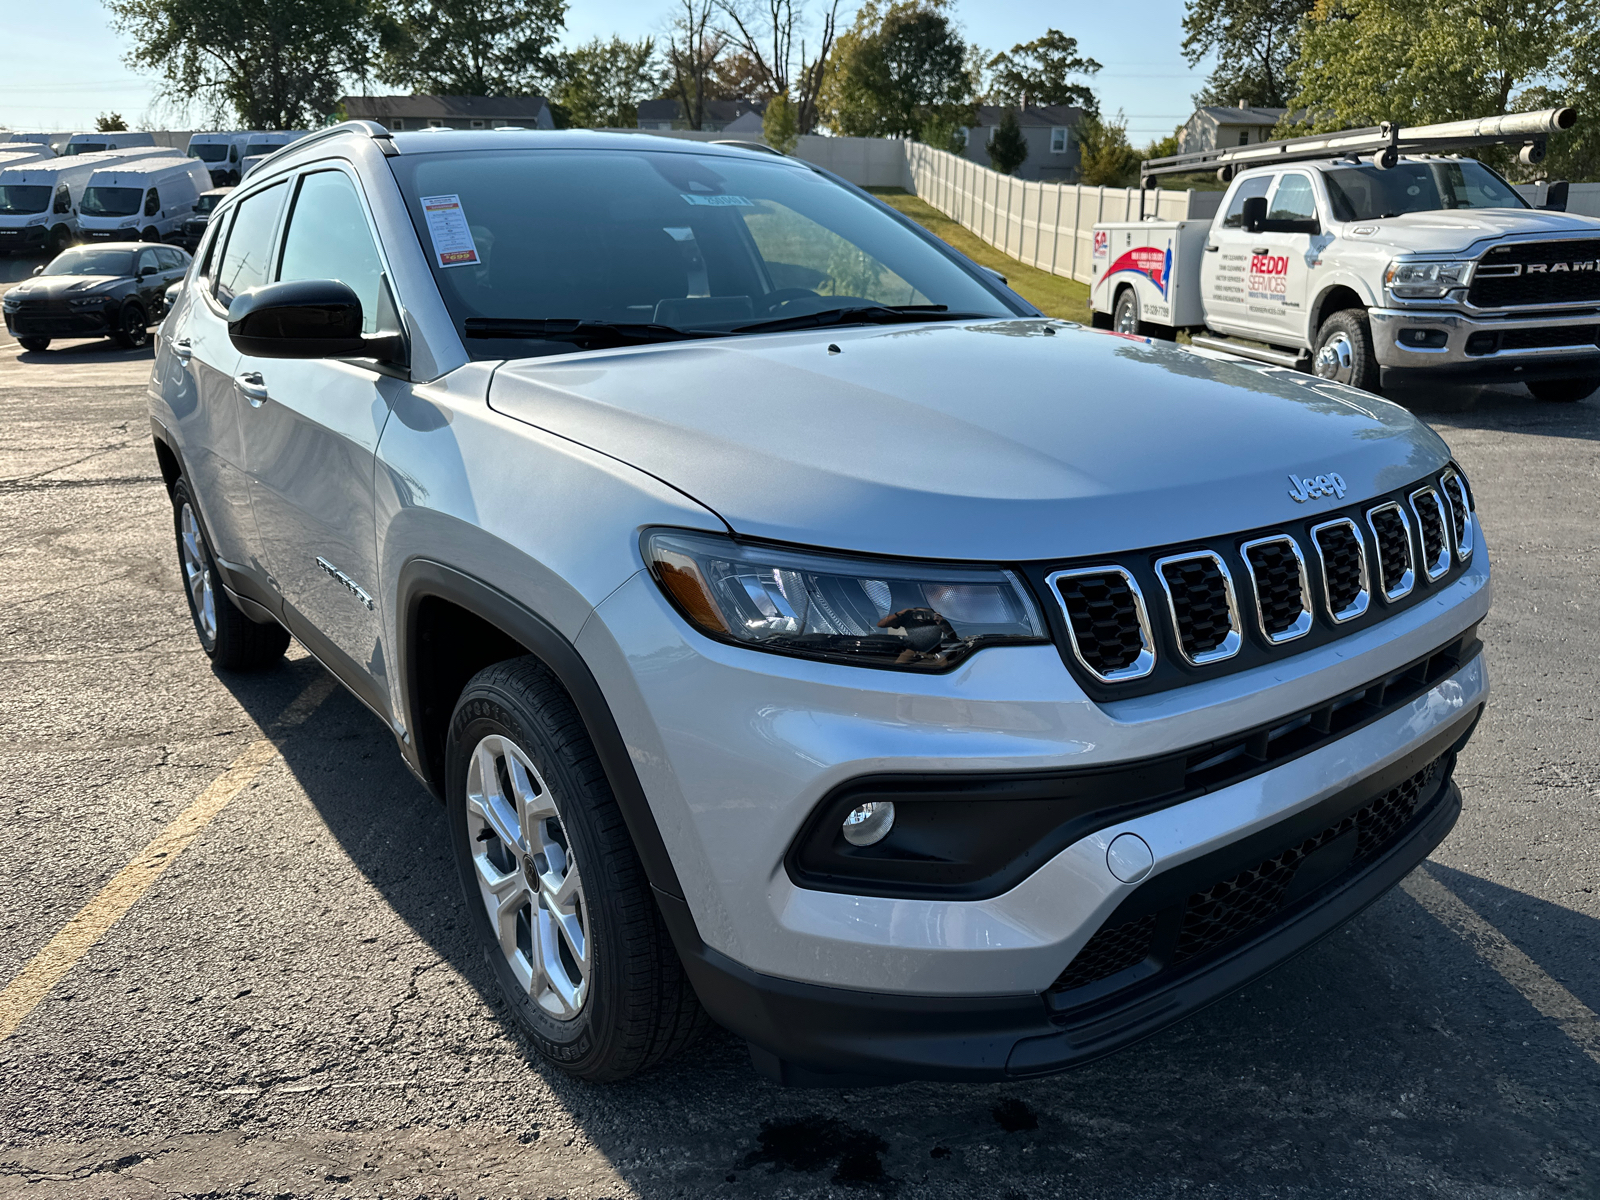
column 1540, row 287
column 1341, row 565
column 1276, row 572
column 1105, row 620
column 1458, row 505
column 1559, row 335
column 1394, row 546
column 1200, row 604
column 1426, row 507
column 1109, row 951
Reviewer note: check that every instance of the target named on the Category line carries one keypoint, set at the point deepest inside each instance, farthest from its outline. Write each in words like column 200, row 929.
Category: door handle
column 1260, row 249
column 184, row 349
column 253, row 387
column 1212, row 249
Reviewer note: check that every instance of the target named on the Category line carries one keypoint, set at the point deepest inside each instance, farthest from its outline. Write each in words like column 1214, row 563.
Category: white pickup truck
column 1371, row 269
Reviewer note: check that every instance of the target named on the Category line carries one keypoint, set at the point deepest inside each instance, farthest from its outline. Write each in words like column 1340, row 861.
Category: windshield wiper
column 590, row 335
column 864, row 314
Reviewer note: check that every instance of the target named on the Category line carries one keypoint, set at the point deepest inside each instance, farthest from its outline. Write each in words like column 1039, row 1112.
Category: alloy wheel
column 1336, row 359
column 527, row 877
column 1127, row 318
column 197, row 575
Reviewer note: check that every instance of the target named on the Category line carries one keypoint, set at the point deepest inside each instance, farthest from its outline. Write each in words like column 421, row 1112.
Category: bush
column 1008, row 149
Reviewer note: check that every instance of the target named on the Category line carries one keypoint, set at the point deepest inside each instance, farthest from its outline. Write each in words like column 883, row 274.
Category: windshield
column 110, row 201
column 206, row 203
column 261, row 148
column 89, row 260
column 209, row 151
column 24, row 198
column 84, row 147
column 682, row 240
column 1368, row 194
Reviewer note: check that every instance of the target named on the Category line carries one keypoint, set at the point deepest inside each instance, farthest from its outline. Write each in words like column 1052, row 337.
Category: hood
column 1467, row 231
column 1000, row 440
column 63, row 287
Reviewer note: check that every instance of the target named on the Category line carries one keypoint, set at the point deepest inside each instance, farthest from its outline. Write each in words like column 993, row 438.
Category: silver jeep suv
column 802, row 632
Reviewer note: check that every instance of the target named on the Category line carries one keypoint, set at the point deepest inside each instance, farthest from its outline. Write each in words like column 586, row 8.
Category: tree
column 895, row 68
column 780, row 124
column 1041, row 71
column 694, row 49
column 600, row 84
column 1255, row 42
column 266, row 64
column 470, row 47
column 769, row 35
column 1104, row 156
column 110, row 123
column 1008, row 149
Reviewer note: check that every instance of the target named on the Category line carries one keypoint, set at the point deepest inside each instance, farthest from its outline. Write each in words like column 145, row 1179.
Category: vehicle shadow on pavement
column 103, row 351
column 1508, row 408
column 1362, row 1067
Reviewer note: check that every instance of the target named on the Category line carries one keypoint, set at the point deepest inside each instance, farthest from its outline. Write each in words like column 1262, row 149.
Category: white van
column 221, row 153
column 94, row 143
column 145, row 200
column 39, row 199
column 262, row 144
column 15, row 153
column 54, row 142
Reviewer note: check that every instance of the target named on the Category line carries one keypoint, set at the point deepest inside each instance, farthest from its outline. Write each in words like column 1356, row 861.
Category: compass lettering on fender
column 1301, row 490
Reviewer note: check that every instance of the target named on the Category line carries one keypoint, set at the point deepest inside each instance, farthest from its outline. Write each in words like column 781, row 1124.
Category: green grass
column 1051, row 294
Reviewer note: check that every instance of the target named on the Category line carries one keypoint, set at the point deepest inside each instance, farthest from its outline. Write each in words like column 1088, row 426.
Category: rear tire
column 1125, row 316
column 34, row 343
column 1563, row 391
column 230, row 639
column 555, row 890
column 133, row 326
column 1343, row 352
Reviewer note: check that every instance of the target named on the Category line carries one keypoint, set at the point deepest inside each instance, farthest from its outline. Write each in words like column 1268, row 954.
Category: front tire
column 133, row 327
column 1563, row 391
column 555, row 889
column 1343, row 352
column 230, row 639
column 34, row 343
column 60, row 240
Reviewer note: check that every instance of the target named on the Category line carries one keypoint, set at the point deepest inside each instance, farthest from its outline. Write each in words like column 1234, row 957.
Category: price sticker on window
column 447, row 226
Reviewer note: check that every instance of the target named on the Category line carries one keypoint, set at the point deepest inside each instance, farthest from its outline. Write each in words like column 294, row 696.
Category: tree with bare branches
column 770, row 33
column 695, row 47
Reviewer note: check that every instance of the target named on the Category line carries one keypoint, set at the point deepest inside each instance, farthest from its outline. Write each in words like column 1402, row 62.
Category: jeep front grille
column 1278, row 578
column 1344, row 568
column 1391, row 534
column 1430, row 524
column 1201, row 604
column 1107, row 621
column 1455, row 495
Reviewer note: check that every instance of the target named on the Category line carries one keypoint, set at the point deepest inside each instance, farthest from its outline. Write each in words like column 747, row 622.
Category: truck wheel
column 1343, row 352
column 1563, row 391
column 60, row 239
column 232, row 640
column 1125, row 316
column 554, row 887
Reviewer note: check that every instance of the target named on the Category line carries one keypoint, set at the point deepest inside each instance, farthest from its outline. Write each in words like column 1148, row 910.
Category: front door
column 1225, row 263
column 311, row 432
column 1277, row 281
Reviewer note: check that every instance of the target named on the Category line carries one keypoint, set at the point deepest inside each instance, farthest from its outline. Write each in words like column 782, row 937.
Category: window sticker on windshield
column 447, row 226
column 717, row 201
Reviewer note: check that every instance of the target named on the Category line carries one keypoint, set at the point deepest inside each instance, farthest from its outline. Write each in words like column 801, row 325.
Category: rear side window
column 1256, row 185
column 152, row 202
column 247, row 258
column 147, row 262
column 328, row 238
column 169, row 259
column 211, row 248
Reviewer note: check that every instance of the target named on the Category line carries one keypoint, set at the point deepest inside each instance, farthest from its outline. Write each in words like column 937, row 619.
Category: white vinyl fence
column 1046, row 225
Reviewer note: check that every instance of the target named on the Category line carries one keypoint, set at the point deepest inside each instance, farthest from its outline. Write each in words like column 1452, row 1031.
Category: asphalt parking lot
column 290, row 1008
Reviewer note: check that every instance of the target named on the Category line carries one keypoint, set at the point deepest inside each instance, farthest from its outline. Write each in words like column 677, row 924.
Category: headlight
column 39, row 220
column 88, row 301
column 129, row 223
column 914, row 616
column 10, row 305
column 1426, row 280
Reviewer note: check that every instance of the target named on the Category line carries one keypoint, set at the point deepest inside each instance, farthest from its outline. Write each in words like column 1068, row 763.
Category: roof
column 1035, row 115
column 1224, row 114
column 722, row 112
column 147, row 166
column 375, row 108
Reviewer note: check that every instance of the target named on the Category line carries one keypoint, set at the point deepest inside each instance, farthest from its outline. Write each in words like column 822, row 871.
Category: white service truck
column 1371, row 258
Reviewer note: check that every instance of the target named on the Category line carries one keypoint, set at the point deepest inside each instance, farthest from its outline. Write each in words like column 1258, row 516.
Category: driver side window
column 1256, row 185
column 1294, row 200
column 328, row 238
column 152, row 202
column 147, row 262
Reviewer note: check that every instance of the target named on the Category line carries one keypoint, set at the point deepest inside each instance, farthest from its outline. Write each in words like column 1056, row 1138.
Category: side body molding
column 422, row 578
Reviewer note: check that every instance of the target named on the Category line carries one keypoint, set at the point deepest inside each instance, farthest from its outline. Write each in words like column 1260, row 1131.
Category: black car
column 116, row 290
column 194, row 227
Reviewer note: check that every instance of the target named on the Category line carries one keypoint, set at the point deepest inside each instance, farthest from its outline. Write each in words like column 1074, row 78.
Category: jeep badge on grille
column 1331, row 484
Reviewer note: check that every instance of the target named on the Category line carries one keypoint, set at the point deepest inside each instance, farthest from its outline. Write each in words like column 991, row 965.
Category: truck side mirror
column 1555, row 197
column 1254, row 213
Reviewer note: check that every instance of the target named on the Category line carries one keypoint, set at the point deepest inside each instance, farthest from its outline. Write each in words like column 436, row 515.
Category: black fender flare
column 421, row 578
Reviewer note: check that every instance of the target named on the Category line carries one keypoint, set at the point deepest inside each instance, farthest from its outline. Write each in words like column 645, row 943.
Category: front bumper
column 93, row 323
column 110, row 235
column 26, row 239
column 1486, row 349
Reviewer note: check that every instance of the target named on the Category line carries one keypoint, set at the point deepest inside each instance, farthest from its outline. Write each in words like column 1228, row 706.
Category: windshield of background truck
column 210, row 151
column 205, row 204
column 18, row 198
column 1369, row 194
column 85, row 148
column 262, row 148
column 89, row 260
column 110, row 201
column 684, row 240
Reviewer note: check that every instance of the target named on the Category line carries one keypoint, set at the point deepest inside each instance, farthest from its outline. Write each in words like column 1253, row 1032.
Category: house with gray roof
column 1048, row 130
column 720, row 115
column 1218, row 127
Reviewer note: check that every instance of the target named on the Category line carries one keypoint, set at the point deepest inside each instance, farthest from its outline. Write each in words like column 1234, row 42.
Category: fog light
column 1424, row 339
column 869, row 823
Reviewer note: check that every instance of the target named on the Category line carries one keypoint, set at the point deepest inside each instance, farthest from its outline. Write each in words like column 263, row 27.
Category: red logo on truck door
column 1269, row 277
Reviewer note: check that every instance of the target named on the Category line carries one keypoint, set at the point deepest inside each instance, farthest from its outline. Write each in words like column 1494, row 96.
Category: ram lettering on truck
column 1372, row 257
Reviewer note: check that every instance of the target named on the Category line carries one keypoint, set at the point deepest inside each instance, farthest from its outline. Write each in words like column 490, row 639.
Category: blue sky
column 63, row 60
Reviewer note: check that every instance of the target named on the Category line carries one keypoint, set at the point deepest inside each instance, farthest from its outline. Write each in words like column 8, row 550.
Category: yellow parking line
column 1571, row 1015
column 24, row 993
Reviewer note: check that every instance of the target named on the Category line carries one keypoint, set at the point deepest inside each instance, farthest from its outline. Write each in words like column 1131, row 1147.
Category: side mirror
column 39, row 270
column 1254, row 213
column 145, row 272
column 309, row 318
column 1555, row 197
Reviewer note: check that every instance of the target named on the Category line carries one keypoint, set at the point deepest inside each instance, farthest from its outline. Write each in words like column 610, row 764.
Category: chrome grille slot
column 1107, row 622
column 1429, row 511
column 1342, row 554
column 1391, row 536
column 1200, row 600
column 1454, row 489
column 1282, row 592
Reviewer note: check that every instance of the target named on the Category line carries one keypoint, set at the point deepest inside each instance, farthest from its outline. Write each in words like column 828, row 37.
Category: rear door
column 1225, row 262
